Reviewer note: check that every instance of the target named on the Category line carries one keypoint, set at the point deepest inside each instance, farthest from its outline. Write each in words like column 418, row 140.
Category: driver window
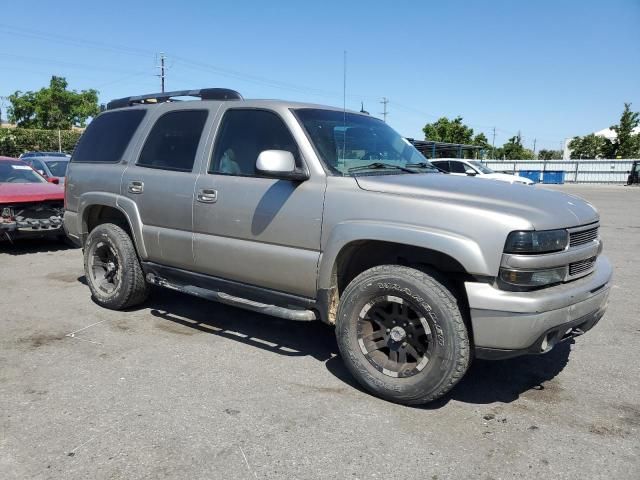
column 243, row 135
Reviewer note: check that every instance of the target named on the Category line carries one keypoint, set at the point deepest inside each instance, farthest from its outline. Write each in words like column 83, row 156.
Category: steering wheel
column 13, row 180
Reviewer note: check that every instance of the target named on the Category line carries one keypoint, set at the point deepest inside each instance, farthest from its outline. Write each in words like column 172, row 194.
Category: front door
column 259, row 231
column 161, row 183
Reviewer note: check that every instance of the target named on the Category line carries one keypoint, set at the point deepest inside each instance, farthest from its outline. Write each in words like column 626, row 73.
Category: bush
column 14, row 141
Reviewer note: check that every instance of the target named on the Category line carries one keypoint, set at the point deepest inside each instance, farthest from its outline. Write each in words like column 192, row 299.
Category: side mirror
column 55, row 180
column 278, row 164
column 471, row 172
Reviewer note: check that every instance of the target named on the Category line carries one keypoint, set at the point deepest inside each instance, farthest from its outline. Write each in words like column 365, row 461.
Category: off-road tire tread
column 444, row 294
column 136, row 287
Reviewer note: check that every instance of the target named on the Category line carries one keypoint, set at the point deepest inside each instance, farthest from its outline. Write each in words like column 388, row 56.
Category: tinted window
column 457, row 167
column 107, row 136
column 246, row 133
column 443, row 165
column 173, row 141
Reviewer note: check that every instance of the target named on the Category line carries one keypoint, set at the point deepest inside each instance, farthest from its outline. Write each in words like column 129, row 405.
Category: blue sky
column 550, row 69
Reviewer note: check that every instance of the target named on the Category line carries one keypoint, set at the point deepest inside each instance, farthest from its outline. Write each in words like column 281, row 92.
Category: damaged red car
column 30, row 206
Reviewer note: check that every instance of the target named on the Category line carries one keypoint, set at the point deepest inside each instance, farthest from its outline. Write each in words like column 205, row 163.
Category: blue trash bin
column 553, row 176
column 533, row 175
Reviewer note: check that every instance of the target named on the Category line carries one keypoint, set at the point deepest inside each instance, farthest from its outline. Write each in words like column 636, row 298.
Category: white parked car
column 475, row 168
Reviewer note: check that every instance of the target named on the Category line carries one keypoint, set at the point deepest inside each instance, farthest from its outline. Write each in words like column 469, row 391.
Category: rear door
column 251, row 229
column 162, row 180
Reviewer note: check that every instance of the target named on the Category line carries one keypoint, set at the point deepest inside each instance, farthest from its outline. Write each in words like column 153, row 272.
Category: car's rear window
column 107, row 137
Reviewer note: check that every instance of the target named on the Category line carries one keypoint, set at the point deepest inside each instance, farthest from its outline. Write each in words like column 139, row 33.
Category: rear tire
column 112, row 268
column 401, row 334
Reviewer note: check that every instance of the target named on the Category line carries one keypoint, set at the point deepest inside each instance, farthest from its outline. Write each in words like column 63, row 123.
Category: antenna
column 344, row 105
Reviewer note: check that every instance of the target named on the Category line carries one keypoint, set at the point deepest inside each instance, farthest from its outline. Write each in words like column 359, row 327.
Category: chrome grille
column 582, row 266
column 582, row 237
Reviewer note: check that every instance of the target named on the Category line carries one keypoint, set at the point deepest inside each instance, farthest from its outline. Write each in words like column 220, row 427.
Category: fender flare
column 125, row 205
column 463, row 249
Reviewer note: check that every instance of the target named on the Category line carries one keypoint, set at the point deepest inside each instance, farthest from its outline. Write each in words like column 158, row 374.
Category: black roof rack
column 202, row 93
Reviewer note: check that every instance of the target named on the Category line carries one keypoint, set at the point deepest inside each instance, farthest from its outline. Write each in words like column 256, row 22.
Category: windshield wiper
column 426, row 165
column 381, row 166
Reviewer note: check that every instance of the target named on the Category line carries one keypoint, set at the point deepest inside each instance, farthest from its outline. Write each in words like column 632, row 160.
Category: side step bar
column 221, row 297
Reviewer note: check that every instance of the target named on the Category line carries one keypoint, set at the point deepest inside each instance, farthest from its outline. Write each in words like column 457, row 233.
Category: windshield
column 348, row 142
column 18, row 172
column 58, row 168
column 479, row 166
column 44, row 154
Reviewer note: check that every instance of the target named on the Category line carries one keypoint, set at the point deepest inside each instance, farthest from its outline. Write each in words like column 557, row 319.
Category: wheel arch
column 353, row 248
column 98, row 208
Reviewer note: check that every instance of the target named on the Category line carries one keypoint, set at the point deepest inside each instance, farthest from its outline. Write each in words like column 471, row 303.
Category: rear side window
column 442, row 165
column 457, row 167
column 107, row 137
column 173, row 141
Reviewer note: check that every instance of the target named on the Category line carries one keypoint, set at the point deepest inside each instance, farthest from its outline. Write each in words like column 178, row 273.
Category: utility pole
column 534, row 148
column 162, row 71
column 384, row 112
column 493, row 144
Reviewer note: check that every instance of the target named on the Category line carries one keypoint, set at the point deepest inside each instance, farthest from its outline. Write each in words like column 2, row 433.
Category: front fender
column 463, row 249
column 125, row 205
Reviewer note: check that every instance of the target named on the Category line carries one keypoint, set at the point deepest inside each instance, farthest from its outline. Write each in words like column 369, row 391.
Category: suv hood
column 30, row 192
column 544, row 209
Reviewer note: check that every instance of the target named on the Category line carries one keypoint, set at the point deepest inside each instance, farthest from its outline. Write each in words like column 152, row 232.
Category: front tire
column 401, row 334
column 112, row 268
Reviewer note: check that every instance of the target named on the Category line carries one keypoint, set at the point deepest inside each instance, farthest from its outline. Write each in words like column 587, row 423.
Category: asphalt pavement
column 188, row 389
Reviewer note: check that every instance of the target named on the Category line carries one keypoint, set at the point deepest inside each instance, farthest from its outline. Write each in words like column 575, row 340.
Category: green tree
column 449, row 131
column 514, row 150
column 53, row 107
column 550, row 154
column 589, row 146
column 626, row 143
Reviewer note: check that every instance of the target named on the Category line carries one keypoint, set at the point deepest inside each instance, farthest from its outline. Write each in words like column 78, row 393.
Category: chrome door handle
column 207, row 196
column 136, row 186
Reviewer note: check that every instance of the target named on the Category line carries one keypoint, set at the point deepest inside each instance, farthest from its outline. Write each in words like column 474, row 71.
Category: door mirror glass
column 278, row 164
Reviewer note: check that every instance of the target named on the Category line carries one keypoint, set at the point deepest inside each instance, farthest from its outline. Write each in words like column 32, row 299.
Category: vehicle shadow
column 485, row 382
column 34, row 245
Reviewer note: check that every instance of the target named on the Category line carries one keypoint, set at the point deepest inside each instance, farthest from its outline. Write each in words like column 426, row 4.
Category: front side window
column 107, row 136
column 246, row 133
column 480, row 167
column 349, row 142
column 173, row 141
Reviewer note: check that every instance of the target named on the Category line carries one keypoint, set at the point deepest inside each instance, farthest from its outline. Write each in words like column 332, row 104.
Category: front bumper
column 31, row 229
column 507, row 324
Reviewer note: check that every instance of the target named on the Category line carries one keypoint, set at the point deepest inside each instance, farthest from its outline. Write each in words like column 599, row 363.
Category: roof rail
column 202, row 93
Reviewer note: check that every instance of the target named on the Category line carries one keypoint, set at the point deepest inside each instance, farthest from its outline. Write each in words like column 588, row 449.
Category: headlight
column 543, row 241
column 533, row 278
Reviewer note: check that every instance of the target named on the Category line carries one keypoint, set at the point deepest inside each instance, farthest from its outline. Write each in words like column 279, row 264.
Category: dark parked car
column 49, row 166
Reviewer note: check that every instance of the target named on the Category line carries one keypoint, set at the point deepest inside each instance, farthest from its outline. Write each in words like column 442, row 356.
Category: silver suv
column 310, row 212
